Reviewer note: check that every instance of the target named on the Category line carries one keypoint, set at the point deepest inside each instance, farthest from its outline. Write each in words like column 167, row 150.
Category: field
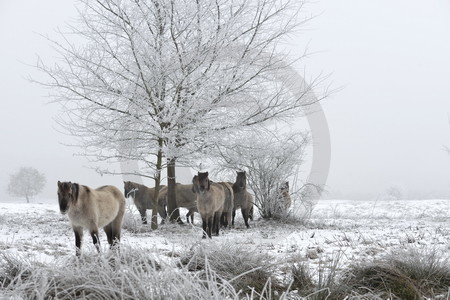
column 338, row 235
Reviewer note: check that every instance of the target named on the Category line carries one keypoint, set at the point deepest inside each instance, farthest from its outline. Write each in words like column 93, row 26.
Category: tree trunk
column 154, row 221
column 172, row 207
column 28, row 199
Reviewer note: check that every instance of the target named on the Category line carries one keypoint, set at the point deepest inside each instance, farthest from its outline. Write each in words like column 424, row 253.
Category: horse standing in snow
column 228, row 206
column 242, row 198
column 144, row 199
column 284, row 197
column 210, row 201
column 185, row 197
column 92, row 209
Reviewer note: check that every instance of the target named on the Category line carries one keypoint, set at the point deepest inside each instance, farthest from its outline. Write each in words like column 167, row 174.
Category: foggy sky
column 388, row 124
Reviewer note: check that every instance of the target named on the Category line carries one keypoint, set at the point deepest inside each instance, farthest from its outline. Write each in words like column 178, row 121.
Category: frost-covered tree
column 27, row 182
column 270, row 159
column 159, row 81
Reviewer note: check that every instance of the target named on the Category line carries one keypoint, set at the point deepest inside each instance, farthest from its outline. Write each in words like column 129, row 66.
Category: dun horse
column 284, row 197
column 144, row 199
column 92, row 209
column 185, row 197
column 228, row 207
column 210, row 201
column 242, row 198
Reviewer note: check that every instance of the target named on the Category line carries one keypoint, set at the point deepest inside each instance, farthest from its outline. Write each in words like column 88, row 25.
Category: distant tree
column 27, row 182
column 394, row 193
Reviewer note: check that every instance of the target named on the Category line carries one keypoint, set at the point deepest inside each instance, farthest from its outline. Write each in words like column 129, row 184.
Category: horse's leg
column 250, row 213
column 245, row 215
column 233, row 214
column 228, row 218
column 78, row 239
column 162, row 213
column 95, row 238
column 192, row 218
column 143, row 212
column 204, row 226
column 116, row 228
column 221, row 220
column 210, row 225
column 109, row 233
column 187, row 216
column 216, row 222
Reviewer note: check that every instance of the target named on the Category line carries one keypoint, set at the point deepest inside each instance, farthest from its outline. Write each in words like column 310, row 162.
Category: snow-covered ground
column 359, row 230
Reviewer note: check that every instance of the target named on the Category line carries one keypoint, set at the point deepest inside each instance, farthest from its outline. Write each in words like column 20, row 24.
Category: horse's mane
column 75, row 190
column 138, row 185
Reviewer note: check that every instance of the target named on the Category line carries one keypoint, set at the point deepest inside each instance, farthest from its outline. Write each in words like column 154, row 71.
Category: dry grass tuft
column 410, row 274
column 427, row 268
column 249, row 272
column 13, row 270
column 302, row 279
column 383, row 280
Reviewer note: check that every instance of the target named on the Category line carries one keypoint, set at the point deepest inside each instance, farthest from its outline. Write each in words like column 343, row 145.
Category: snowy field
column 358, row 230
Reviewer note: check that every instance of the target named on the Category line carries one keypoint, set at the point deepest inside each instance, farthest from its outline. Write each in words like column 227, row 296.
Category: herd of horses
column 104, row 207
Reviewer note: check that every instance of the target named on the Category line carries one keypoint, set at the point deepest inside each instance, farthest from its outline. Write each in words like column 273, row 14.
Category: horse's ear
column 207, row 174
column 59, row 183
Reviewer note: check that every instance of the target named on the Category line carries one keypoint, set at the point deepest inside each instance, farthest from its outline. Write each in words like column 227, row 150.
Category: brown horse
column 242, row 198
column 144, row 199
column 92, row 209
column 185, row 198
column 210, row 201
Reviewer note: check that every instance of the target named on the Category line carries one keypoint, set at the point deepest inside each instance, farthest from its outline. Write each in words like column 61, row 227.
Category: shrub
column 132, row 220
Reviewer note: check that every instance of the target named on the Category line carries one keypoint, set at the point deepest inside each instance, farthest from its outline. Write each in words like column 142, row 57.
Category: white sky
column 388, row 125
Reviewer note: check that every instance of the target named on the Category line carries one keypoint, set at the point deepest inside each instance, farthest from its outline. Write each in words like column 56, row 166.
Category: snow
column 359, row 230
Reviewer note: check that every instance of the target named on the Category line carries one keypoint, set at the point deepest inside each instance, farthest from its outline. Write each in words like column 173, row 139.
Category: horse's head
column 203, row 181
column 284, row 187
column 128, row 188
column 67, row 193
column 195, row 184
column 241, row 181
